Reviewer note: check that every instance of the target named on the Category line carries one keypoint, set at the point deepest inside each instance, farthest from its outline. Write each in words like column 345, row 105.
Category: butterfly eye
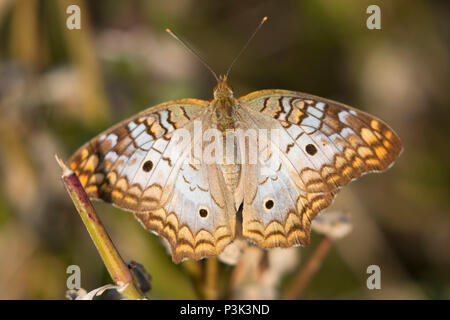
column 269, row 204
column 203, row 212
column 148, row 165
column 311, row 149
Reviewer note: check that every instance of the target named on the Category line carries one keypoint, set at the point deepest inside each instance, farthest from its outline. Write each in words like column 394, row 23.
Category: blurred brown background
column 60, row 87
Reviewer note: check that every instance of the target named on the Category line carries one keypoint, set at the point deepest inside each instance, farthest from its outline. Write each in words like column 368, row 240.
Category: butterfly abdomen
column 231, row 174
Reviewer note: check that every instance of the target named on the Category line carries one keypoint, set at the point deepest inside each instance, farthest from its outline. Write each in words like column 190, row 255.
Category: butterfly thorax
column 223, row 106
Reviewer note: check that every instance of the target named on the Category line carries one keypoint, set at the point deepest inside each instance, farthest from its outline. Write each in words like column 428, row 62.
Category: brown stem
column 305, row 275
column 117, row 268
column 211, row 280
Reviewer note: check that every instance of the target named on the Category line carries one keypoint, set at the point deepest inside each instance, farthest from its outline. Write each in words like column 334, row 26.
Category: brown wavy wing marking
column 295, row 229
column 183, row 243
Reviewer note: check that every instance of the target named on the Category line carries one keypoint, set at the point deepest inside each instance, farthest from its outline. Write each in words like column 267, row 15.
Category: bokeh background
column 60, row 87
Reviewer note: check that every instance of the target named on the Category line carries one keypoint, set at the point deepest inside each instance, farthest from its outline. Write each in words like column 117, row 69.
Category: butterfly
column 278, row 182
column 322, row 145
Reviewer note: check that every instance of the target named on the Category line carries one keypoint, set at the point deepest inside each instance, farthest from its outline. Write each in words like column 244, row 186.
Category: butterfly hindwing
column 276, row 211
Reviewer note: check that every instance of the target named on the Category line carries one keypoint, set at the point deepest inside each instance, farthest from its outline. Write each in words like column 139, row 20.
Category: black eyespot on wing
column 203, row 213
column 269, row 204
column 311, row 149
column 147, row 166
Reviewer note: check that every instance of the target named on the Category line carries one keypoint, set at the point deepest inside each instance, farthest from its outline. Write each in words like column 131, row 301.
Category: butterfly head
column 222, row 90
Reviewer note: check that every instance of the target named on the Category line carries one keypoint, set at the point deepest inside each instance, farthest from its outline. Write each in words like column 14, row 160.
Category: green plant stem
column 116, row 267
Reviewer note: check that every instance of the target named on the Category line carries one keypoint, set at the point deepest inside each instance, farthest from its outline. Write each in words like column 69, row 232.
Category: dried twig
column 117, row 268
column 334, row 225
column 305, row 275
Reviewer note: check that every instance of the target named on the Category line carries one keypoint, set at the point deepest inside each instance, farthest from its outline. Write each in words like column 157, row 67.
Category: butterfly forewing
column 336, row 141
column 108, row 164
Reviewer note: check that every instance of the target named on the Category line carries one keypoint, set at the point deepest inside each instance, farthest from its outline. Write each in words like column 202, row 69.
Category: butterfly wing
column 321, row 145
column 145, row 165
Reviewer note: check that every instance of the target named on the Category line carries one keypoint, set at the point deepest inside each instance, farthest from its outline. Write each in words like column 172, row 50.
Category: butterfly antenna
column 188, row 48
column 246, row 45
